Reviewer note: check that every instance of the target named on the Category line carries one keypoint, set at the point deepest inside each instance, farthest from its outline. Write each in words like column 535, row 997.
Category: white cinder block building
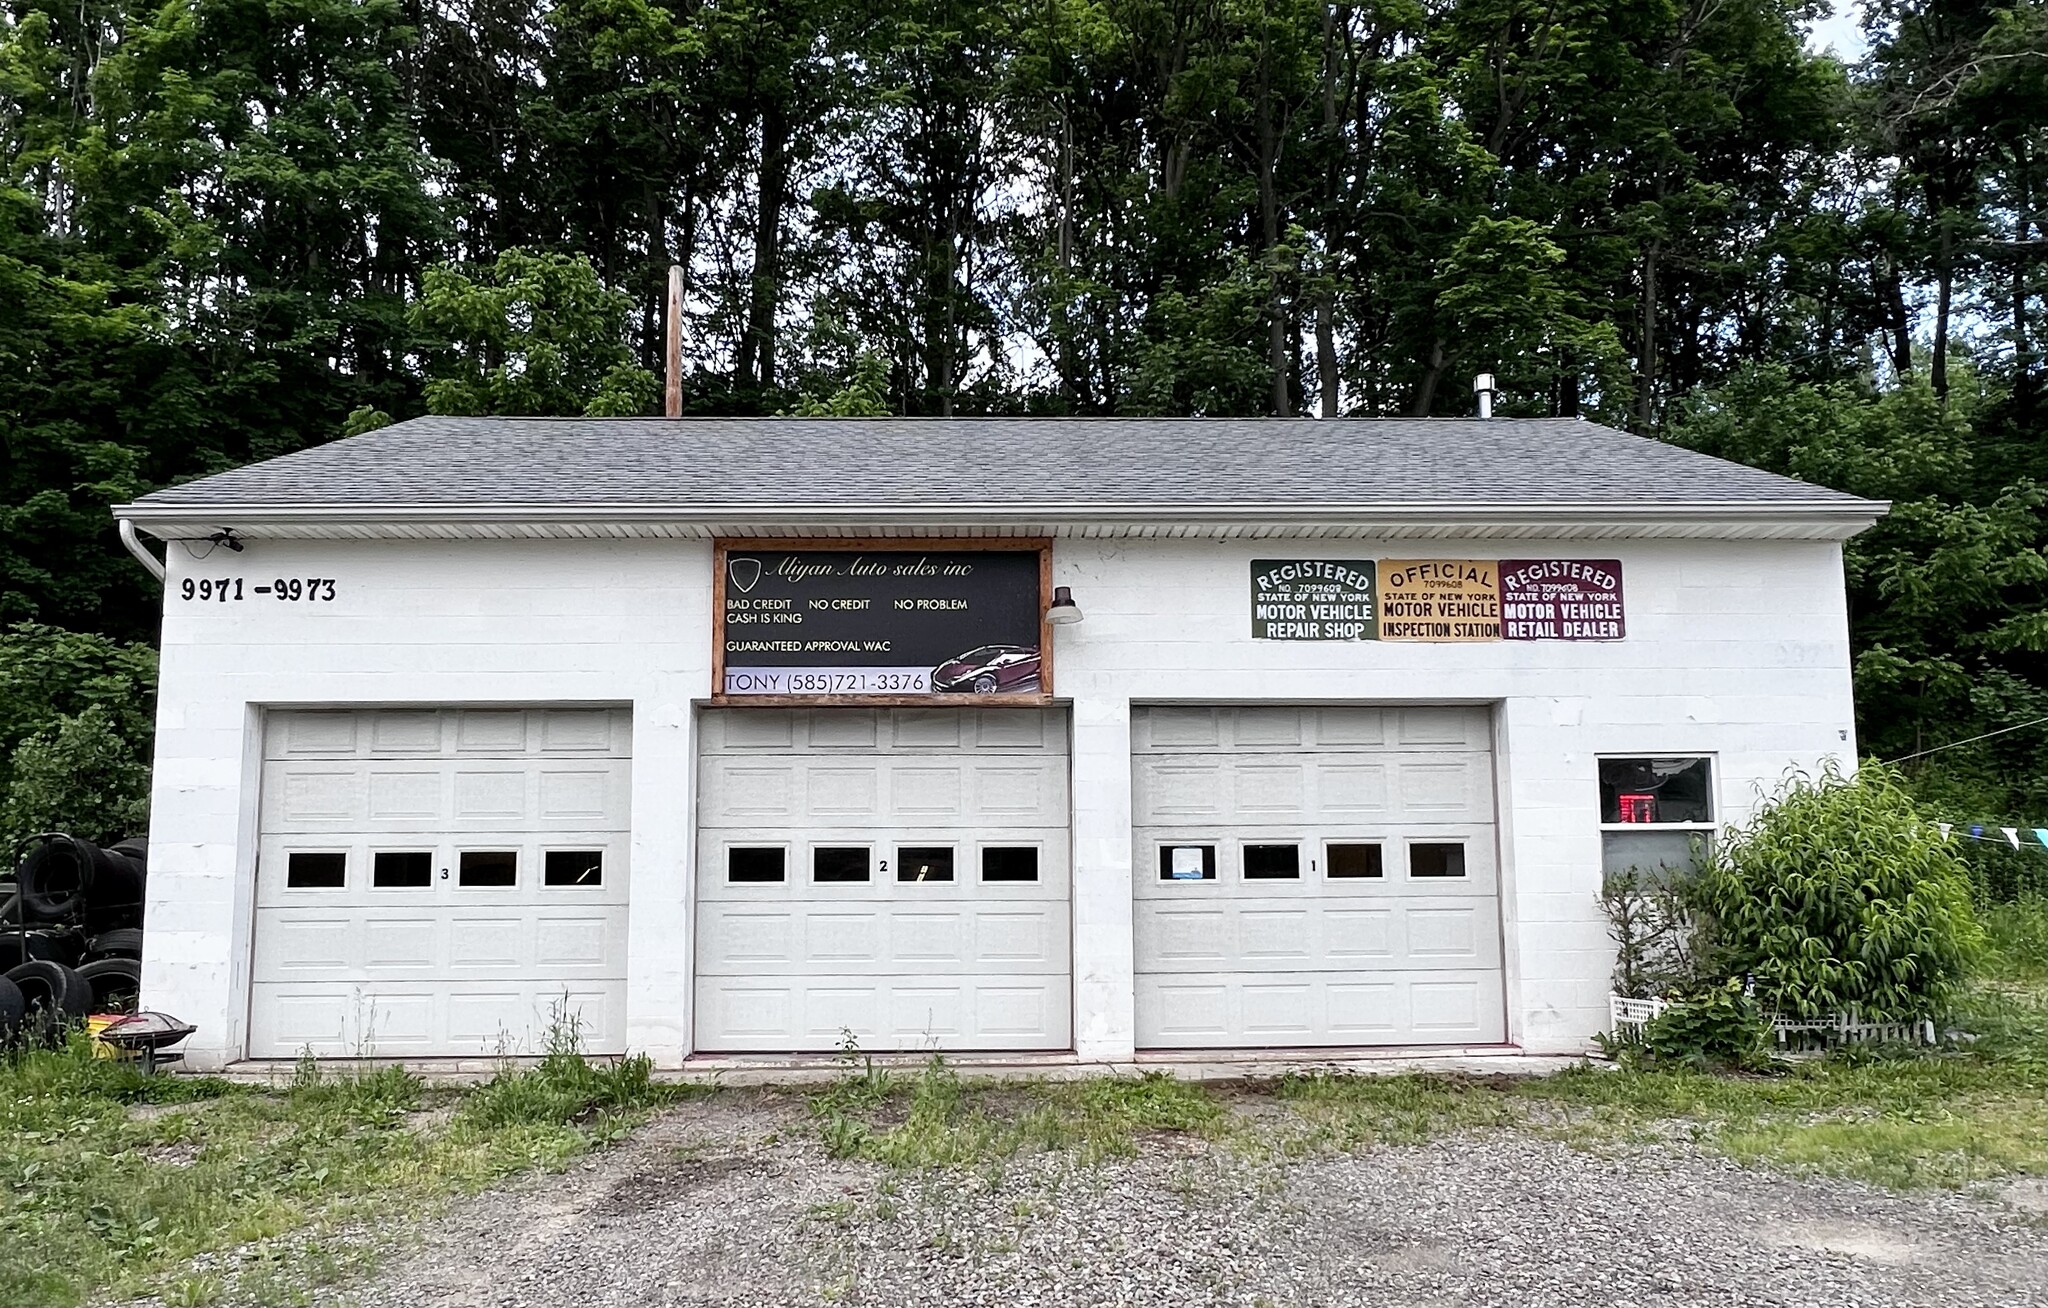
column 736, row 737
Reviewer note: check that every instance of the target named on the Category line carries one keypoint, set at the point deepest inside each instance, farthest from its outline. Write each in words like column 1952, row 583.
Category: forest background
column 230, row 229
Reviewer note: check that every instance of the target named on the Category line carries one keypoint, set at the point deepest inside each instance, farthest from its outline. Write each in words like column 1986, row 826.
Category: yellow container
column 94, row 1026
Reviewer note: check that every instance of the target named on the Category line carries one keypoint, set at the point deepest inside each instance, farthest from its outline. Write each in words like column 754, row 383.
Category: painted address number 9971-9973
column 222, row 590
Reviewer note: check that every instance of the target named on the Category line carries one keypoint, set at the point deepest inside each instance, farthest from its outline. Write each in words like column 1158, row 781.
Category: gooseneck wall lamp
column 1063, row 610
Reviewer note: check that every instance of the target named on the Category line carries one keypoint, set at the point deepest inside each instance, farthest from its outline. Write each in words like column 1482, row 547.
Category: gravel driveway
column 733, row 1203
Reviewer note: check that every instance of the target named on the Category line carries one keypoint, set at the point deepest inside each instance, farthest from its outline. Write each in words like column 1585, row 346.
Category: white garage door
column 897, row 874
column 440, row 881
column 1315, row 876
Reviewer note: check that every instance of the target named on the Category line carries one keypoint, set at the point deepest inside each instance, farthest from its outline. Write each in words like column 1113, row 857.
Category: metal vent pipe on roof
column 1482, row 386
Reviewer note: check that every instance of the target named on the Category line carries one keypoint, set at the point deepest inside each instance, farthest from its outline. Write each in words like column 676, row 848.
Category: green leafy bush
column 1837, row 895
column 1718, row 1027
column 1651, row 921
column 81, row 777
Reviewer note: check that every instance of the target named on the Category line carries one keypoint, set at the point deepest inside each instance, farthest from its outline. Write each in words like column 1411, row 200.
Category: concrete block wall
column 1735, row 649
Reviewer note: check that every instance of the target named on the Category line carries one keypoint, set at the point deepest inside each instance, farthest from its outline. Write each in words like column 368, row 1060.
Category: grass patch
column 112, row 1183
column 937, row 1120
column 1894, row 1117
column 2016, row 939
column 1334, row 1111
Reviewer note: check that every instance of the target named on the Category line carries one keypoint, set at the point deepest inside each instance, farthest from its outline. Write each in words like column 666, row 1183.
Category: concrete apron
column 814, row 1069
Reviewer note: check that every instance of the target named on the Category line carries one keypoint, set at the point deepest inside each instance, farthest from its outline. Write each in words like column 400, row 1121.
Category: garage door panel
column 402, row 795
column 883, row 1014
column 1398, row 946
column 309, row 945
column 397, row 1019
column 379, row 733
column 1050, row 855
column 786, row 961
column 742, row 940
column 432, row 967
column 1260, row 789
column 1313, row 936
column 888, row 731
column 744, row 791
column 1306, row 1010
column 358, row 889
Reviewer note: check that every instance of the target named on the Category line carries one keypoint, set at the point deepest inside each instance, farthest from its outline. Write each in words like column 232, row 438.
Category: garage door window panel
column 1355, row 860
column 924, row 863
column 1436, row 861
column 573, row 867
column 839, row 864
column 755, row 865
column 1009, row 863
column 1272, row 862
column 307, row 869
column 488, row 869
column 1656, row 813
column 402, row 869
column 1187, row 863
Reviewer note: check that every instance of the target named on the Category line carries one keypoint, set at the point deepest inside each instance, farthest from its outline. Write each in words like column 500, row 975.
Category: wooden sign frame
column 723, row 546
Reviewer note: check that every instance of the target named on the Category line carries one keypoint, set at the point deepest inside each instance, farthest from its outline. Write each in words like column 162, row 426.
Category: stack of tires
column 70, row 935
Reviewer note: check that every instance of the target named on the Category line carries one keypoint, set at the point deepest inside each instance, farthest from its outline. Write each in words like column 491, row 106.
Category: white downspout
column 135, row 547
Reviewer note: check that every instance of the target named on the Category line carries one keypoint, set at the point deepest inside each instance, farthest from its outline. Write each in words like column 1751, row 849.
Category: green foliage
column 938, row 1120
column 529, row 334
column 2016, row 938
column 100, row 1201
column 1717, row 1027
column 77, row 716
column 365, row 419
column 1839, row 894
column 864, row 396
column 81, row 778
column 1947, row 593
column 1652, row 925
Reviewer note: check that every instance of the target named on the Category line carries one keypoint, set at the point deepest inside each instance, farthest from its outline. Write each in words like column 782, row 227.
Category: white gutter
column 167, row 520
column 126, row 526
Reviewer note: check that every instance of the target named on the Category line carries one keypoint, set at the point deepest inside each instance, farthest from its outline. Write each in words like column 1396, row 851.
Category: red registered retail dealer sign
column 1561, row 599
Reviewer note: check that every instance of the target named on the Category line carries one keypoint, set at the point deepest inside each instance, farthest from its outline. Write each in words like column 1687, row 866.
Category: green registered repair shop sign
column 1314, row 599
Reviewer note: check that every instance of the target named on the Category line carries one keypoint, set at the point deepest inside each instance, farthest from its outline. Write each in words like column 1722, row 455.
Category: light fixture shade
column 1063, row 610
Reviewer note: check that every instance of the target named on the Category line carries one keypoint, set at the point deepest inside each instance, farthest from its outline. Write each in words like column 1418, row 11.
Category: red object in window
column 1638, row 808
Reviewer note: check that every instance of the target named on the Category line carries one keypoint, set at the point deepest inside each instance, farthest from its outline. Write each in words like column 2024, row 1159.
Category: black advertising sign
column 880, row 622
column 1561, row 599
column 1314, row 599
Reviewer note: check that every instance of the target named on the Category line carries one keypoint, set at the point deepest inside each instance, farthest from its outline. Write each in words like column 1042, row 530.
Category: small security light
column 226, row 536
column 1063, row 610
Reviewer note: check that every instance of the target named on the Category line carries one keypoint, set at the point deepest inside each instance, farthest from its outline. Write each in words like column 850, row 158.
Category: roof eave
column 1831, row 519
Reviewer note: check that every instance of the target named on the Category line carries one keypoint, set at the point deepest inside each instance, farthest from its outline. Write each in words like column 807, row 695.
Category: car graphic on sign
column 989, row 670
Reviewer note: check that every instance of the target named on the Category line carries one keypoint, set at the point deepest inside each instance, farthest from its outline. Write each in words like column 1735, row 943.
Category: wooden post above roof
column 672, row 358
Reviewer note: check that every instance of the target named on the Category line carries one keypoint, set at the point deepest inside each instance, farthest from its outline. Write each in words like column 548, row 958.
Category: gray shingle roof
column 794, row 463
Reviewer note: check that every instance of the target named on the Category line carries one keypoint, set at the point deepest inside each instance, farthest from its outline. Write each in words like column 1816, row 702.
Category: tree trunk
column 756, row 361
column 1062, row 309
column 1327, row 381
column 1425, row 392
column 1277, row 347
column 1892, row 296
column 1646, row 373
column 1326, row 353
column 1945, row 273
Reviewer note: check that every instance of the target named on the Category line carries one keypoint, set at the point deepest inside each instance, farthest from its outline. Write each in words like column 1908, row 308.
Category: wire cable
column 1955, row 744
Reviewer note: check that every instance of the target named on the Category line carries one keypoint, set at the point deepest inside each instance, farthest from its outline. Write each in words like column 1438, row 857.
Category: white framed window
column 1657, row 811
